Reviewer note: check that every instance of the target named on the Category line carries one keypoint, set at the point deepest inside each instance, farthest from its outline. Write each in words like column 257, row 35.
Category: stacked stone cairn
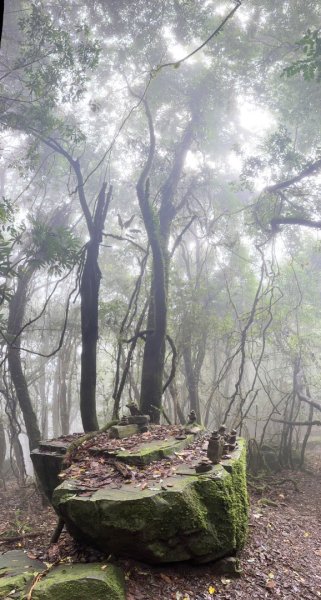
column 130, row 424
column 221, row 444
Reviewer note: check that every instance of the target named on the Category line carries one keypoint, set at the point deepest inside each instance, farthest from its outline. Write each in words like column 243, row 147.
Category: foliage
column 54, row 61
column 54, row 247
column 9, row 234
column 310, row 66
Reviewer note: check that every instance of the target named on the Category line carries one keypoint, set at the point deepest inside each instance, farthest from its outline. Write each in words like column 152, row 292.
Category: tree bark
column 158, row 227
column 89, row 288
column 16, row 313
column 89, row 294
column 192, row 378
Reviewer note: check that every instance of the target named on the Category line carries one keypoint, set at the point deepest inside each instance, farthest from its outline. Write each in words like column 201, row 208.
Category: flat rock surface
column 152, row 457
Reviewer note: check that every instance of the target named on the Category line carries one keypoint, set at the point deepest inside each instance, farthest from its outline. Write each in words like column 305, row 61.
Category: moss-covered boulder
column 189, row 517
column 17, row 573
column 81, row 582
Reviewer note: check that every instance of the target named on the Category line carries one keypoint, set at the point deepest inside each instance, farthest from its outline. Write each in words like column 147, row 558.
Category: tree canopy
column 160, row 211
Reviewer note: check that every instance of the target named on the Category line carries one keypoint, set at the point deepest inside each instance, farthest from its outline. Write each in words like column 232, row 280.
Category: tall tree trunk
column 158, row 228
column 55, row 401
column 64, row 364
column 154, row 350
column 193, row 355
column 16, row 313
column 42, row 395
column 89, row 293
column 192, row 379
column 89, row 288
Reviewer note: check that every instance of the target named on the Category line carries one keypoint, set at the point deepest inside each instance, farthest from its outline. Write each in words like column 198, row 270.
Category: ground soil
column 282, row 557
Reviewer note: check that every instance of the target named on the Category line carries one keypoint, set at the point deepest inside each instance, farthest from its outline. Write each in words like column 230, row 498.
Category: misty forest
column 160, row 299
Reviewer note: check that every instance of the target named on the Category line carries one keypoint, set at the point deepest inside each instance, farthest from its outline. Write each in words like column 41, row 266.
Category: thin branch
column 181, row 235
column 122, row 238
column 298, row 423
column 177, row 63
column 174, row 361
column 308, row 400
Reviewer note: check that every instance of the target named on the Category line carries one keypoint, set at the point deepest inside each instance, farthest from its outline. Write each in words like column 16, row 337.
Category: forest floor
column 282, row 557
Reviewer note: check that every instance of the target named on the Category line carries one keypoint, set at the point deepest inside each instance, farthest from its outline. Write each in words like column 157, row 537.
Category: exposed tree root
column 84, row 438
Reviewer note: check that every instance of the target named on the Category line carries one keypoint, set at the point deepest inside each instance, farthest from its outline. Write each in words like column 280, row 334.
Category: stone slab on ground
column 17, row 573
column 95, row 581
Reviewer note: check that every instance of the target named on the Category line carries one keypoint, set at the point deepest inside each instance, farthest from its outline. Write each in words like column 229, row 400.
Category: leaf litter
column 279, row 561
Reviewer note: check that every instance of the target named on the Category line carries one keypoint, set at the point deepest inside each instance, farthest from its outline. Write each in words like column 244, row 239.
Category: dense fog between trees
column 160, row 214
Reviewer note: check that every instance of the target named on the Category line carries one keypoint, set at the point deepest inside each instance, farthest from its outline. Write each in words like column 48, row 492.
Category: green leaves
column 52, row 69
column 56, row 247
column 310, row 66
column 54, row 60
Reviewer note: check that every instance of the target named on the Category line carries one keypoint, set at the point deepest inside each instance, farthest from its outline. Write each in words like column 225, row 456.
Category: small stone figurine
column 124, row 420
column 226, row 449
column 214, row 449
column 222, row 431
column 133, row 409
column 203, row 466
column 232, row 440
column 191, row 418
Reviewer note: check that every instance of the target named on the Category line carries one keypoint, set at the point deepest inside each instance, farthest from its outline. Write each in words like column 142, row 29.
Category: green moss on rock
column 81, row 582
column 198, row 518
column 17, row 572
column 144, row 454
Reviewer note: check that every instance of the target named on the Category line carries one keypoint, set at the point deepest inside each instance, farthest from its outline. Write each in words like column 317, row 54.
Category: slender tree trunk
column 3, row 449
column 179, row 415
column 42, row 395
column 15, row 320
column 158, row 228
column 64, row 366
column 89, row 288
column 191, row 380
column 154, row 350
column 55, row 401
column 89, row 293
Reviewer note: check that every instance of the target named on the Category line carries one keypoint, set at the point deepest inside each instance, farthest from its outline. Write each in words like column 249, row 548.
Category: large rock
column 192, row 517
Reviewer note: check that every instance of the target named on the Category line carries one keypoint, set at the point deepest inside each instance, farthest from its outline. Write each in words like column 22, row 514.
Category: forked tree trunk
column 158, row 228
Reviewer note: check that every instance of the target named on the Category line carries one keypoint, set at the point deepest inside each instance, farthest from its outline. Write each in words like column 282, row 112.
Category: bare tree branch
column 310, row 170
column 177, row 63
column 298, row 423
column 276, row 221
